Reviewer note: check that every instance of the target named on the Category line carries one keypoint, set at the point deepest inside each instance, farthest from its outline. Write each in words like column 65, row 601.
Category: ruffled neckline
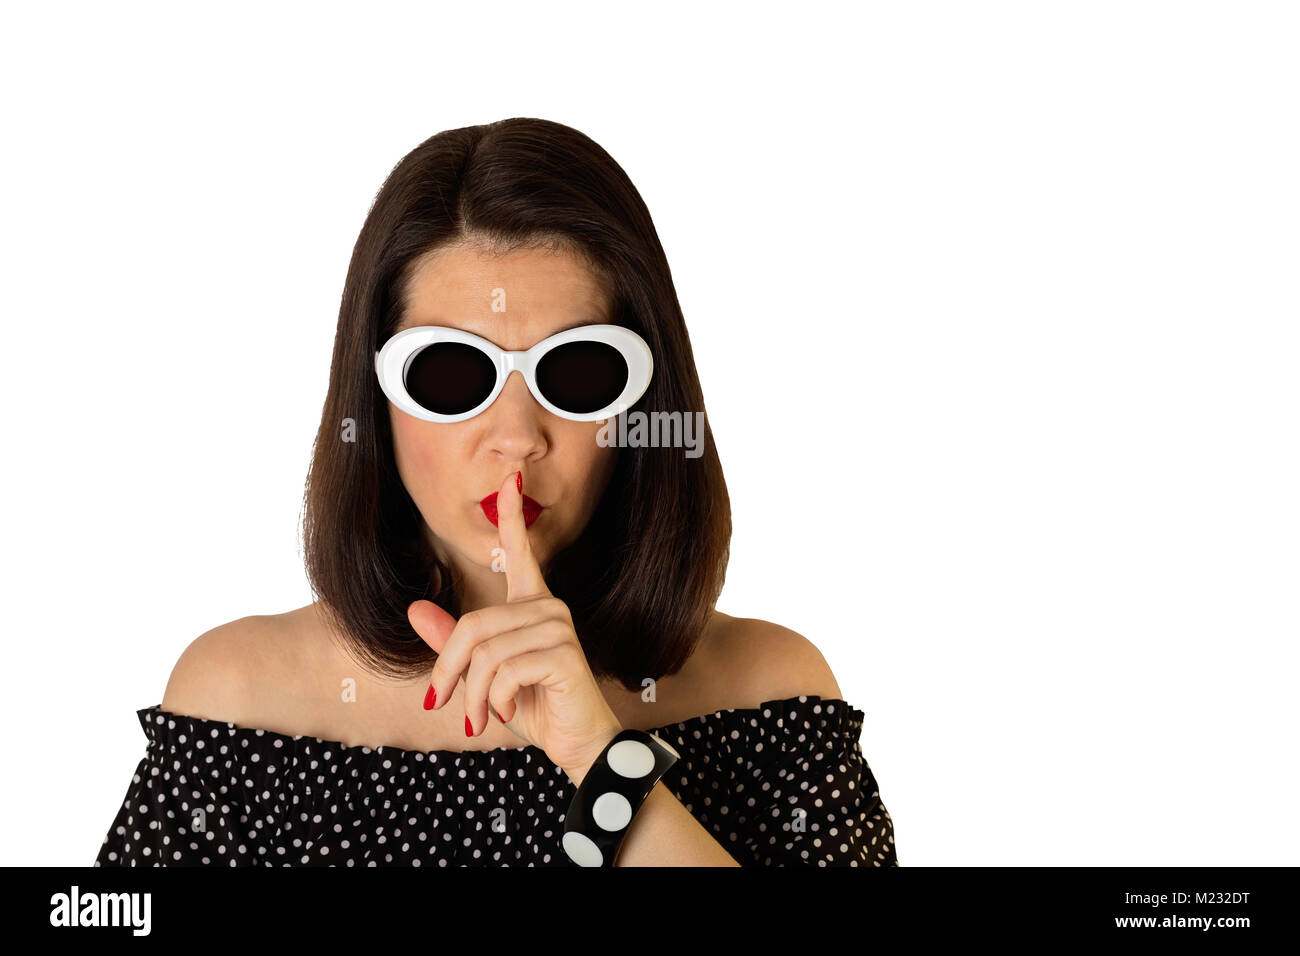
column 832, row 709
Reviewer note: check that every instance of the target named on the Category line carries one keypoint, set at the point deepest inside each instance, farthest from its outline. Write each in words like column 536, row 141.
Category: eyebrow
column 572, row 325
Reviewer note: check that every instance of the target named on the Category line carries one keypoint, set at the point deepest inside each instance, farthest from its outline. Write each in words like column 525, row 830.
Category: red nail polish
column 430, row 698
column 469, row 728
column 519, row 481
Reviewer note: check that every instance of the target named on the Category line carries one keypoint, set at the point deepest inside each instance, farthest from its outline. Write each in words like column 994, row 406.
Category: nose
column 514, row 422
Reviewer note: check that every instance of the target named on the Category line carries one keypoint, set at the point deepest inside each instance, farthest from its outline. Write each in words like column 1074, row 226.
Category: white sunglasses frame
column 393, row 360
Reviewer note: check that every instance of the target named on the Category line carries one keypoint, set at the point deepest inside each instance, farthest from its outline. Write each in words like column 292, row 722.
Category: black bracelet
column 610, row 795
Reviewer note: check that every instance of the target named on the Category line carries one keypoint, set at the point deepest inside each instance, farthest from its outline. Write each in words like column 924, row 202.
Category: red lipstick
column 532, row 510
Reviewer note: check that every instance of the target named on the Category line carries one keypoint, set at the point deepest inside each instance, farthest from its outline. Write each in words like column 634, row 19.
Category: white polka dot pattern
column 582, row 849
column 612, row 811
column 631, row 759
column 782, row 784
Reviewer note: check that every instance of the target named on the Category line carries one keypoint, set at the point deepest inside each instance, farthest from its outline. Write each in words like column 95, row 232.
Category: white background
column 1031, row 269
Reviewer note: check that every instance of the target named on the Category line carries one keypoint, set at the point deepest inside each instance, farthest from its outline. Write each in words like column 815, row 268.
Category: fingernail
column 495, row 714
column 519, row 481
column 430, row 698
column 469, row 728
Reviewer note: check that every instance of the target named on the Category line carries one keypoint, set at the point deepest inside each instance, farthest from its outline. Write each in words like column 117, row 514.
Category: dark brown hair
column 642, row 579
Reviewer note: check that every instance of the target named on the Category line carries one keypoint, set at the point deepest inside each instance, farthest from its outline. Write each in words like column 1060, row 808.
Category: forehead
column 513, row 300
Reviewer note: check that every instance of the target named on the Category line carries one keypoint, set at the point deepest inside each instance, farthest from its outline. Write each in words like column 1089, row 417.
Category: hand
column 523, row 657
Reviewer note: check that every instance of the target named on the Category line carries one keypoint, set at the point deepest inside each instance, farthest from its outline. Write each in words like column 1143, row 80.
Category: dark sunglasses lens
column 582, row 377
column 450, row 377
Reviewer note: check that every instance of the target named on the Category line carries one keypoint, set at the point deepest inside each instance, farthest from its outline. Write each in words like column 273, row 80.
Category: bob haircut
column 642, row 579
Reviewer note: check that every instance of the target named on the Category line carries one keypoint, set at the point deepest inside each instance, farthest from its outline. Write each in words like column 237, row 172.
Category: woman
column 495, row 546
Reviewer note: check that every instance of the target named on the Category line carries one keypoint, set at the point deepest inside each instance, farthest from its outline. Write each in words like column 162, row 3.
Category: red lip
column 532, row 510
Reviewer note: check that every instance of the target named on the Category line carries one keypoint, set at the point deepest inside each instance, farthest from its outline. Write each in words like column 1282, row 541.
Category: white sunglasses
column 583, row 374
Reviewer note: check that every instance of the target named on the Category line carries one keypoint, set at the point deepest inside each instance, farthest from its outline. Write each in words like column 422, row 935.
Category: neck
column 478, row 586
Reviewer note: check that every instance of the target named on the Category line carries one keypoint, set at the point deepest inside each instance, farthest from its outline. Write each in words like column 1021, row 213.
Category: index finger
column 523, row 575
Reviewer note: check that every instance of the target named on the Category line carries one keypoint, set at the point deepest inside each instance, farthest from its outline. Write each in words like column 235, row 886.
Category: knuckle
column 506, row 671
column 469, row 623
column 481, row 656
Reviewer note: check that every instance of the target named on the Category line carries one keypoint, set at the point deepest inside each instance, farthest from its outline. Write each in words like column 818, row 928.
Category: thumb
column 432, row 623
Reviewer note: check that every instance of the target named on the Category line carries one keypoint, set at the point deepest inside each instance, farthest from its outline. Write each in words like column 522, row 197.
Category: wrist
column 609, row 793
column 580, row 767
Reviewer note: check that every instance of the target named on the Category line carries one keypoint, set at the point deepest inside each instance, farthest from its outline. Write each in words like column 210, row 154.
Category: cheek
column 420, row 457
column 589, row 463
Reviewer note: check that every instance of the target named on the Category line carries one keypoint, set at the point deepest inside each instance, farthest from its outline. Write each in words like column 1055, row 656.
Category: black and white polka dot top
column 782, row 784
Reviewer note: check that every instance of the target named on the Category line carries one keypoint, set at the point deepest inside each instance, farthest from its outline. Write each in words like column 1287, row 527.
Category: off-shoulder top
column 781, row 784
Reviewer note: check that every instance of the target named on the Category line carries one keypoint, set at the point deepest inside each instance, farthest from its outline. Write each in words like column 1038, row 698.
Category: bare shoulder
column 215, row 677
column 757, row 661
